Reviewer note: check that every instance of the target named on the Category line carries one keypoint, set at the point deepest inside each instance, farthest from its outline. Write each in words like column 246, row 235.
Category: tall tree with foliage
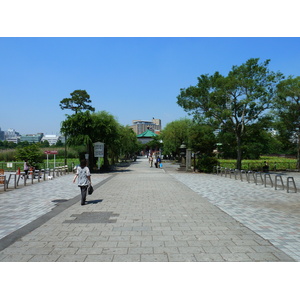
column 86, row 128
column 287, row 108
column 32, row 154
column 236, row 100
column 174, row 134
column 128, row 142
column 106, row 130
column 78, row 128
column 78, row 102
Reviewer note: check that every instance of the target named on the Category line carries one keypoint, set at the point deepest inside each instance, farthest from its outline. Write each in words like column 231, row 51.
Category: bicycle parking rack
column 222, row 170
column 227, row 171
column 276, row 180
column 261, row 178
column 215, row 170
column 265, row 179
column 288, row 180
column 248, row 174
column 241, row 175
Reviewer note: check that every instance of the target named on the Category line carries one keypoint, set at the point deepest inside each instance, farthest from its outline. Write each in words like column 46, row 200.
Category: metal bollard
column 265, row 178
column 288, row 186
column 276, row 180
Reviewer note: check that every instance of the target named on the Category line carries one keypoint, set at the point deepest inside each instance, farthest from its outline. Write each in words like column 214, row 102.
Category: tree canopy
column 78, row 102
column 236, row 100
column 287, row 110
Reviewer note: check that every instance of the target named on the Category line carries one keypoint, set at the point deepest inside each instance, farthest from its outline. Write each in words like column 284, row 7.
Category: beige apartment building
column 140, row 126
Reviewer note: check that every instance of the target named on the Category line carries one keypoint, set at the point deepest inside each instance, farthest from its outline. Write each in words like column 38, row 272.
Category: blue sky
column 131, row 78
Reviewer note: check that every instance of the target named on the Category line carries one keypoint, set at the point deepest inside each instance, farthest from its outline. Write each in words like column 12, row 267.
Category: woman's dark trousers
column 83, row 194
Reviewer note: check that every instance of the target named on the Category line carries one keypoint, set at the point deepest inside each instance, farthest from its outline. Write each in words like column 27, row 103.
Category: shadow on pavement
column 94, row 201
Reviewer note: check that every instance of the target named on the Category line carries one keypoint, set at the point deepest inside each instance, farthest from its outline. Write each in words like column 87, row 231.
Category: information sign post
column 99, row 151
column 51, row 152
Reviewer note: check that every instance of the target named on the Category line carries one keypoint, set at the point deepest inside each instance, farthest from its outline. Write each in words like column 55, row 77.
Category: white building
column 12, row 136
column 51, row 138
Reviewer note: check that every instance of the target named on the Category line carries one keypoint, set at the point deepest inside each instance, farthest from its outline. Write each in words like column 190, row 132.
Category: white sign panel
column 99, row 149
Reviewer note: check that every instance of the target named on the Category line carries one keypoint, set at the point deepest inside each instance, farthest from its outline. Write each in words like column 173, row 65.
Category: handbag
column 90, row 189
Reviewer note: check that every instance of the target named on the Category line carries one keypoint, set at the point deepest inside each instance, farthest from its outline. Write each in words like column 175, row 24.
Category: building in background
column 32, row 138
column 1, row 135
column 140, row 126
column 51, row 138
column 12, row 136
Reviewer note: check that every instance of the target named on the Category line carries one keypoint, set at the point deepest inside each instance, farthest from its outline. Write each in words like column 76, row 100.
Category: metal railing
column 12, row 180
column 258, row 178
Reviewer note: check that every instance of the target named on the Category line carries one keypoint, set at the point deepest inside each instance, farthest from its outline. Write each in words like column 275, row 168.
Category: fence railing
column 259, row 178
column 13, row 180
column 14, row 166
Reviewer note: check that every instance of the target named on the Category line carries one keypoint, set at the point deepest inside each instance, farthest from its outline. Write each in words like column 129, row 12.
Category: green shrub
column 206, row 163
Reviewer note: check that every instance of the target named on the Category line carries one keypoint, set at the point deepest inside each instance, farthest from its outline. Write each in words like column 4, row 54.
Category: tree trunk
column 105, row 166
column 239, row 152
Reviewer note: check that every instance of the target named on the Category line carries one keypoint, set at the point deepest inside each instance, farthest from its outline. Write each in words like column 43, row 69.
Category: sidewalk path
column 143, row 214
column 21, row 206
column 273, row 214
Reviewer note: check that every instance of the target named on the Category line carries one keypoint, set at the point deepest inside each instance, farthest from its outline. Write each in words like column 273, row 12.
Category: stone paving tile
column 154, row 258
column 21, row 206
column 99, row 258
column 156, row 217
column 210, row 257
column 273, row 214
column 72, row 258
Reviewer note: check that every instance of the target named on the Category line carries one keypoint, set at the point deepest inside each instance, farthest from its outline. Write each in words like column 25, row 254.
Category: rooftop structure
column 140, row 126
column 146, row 136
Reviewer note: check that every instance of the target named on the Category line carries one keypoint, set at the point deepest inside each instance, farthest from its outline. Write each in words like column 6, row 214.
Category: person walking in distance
column 84, row 179
column 151, row 161
column 26, row 168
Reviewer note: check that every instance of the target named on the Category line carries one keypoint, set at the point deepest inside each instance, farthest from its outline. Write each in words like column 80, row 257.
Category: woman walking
column 84, row 179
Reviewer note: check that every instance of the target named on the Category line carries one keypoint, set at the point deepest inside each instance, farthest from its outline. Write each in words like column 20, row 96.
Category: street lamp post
column 183, row 154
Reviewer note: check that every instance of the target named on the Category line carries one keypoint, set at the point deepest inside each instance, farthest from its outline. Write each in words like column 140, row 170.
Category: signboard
column 51, row 152
column 99, row 149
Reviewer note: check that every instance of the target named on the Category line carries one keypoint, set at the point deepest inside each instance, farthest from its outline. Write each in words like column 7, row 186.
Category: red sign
column 51, row 152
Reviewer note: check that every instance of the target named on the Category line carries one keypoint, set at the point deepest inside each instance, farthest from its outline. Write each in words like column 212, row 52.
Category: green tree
column 79, row 128
column 106, row 130
column 128, row 142
column 235, row 100
column 85, row 128
column 174, row 134
column 78, row 102
column 31, row 153
column 201, row 139
column 44, row 144
column 287, row 108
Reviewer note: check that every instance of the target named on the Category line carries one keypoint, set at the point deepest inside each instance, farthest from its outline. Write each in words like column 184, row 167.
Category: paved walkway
column 19, row 207
column 141, row 214
column 273, row 214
